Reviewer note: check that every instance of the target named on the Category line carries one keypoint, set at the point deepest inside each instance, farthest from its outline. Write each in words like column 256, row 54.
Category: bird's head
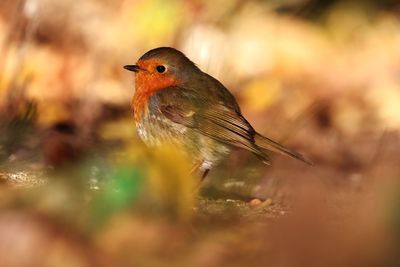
column 160, row 68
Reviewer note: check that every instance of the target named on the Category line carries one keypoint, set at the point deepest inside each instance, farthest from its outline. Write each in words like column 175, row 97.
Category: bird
column 177, row 103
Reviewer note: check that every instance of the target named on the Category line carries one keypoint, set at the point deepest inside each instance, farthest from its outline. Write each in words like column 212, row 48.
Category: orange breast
column 146, row 85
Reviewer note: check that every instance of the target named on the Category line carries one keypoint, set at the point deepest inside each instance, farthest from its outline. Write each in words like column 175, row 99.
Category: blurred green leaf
column 120, row 192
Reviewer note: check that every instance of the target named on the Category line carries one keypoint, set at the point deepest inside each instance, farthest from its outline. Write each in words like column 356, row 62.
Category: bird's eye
column 160, row 68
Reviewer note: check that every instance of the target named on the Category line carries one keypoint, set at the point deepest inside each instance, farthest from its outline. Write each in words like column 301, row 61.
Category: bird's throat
column 148, row 84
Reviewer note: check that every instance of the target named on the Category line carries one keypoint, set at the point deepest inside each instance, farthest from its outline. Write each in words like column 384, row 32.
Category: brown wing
column 208, row 116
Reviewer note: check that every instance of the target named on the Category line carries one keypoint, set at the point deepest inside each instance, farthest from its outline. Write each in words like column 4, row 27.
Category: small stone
column 258, row 203
column 255, row 202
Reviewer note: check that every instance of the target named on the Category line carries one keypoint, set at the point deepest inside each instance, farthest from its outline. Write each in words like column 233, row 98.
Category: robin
column 177, row 103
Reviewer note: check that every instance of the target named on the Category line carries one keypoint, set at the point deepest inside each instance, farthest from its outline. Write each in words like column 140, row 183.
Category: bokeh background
column 78, row 188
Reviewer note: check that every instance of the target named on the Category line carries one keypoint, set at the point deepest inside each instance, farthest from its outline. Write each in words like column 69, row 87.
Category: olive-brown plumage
column 175, row 102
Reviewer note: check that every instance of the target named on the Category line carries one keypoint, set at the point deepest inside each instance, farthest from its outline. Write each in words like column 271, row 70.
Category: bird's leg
column 206, row 171
column 194, row 169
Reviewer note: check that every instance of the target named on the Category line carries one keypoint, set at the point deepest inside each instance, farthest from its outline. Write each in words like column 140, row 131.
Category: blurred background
column 78, row 188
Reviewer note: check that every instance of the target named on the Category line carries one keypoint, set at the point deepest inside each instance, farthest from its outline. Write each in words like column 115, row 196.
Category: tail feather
column 268, row 144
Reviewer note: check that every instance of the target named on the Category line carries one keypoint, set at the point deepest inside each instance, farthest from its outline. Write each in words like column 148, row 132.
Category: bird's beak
column 134, row 68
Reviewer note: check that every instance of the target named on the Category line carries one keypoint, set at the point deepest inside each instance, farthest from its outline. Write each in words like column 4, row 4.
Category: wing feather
column 213, row 119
